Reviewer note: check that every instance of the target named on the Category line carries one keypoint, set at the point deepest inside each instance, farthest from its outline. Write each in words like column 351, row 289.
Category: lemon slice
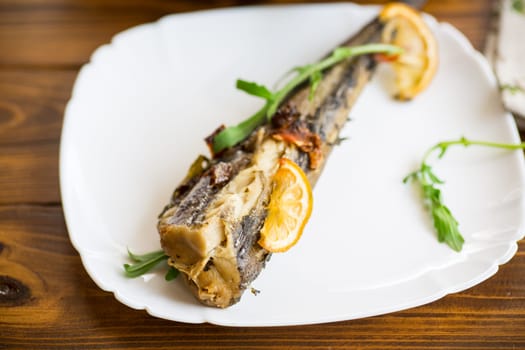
column 289, row 209
column 417, row 65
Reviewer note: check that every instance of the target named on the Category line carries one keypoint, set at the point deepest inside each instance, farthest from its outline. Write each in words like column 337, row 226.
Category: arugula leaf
column 447, row 227
column 234, row 134
column 254, row 89
column 145, row 262
column 315, row 79
column 171, row 274
column 445, row 224
column 144, row 257
column 142, row 267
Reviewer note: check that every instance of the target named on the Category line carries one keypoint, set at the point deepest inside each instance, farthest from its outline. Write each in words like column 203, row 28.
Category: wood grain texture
column 65, row 33
column 31, row 109
column 67, row 310
column 47, row 300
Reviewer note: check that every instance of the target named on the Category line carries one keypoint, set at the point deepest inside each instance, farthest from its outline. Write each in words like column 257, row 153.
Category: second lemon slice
column 416, row 67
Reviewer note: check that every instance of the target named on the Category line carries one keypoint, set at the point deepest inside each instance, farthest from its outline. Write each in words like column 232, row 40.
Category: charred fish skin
column 211, row 225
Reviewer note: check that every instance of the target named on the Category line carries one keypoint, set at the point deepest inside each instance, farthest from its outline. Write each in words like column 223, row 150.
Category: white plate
column 141, row 108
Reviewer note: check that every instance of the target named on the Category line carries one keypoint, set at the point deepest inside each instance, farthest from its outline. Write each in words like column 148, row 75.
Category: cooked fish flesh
column 211, row 225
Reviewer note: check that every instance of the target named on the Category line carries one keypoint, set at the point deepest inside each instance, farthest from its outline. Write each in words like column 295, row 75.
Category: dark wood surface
column 47, row 300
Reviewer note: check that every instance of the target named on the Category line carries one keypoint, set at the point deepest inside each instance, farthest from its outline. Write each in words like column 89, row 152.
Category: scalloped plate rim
column 85, row 257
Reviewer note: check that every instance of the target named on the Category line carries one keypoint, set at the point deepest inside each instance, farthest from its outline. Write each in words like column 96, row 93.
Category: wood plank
column 29, row 173
column 31, row 109
column 63, row 308
column 65, row 33
column 32, row 105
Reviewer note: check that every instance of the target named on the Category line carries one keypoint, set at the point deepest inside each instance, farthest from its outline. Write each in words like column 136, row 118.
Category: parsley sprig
column 313, row 72
column 444, row 222
column 145, row 262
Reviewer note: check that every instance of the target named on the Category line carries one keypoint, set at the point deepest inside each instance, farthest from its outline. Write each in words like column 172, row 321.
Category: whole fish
column 211, row 225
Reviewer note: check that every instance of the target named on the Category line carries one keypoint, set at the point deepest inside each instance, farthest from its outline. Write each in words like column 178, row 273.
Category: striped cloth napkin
column 505, row 50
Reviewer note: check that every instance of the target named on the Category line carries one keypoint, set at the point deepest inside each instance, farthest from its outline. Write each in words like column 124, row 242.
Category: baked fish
column 211, row 225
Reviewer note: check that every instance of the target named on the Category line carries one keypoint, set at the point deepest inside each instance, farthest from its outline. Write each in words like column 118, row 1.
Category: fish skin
column 211, row 225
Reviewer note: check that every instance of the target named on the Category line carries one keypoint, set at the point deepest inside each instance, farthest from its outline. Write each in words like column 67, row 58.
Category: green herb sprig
column 518, row 6
column 513, row 89
column 145, row 262
column 312, row 72
column 444, row 222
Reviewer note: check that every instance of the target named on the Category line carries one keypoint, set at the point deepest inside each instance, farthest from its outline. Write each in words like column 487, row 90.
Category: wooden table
column 47, row 299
